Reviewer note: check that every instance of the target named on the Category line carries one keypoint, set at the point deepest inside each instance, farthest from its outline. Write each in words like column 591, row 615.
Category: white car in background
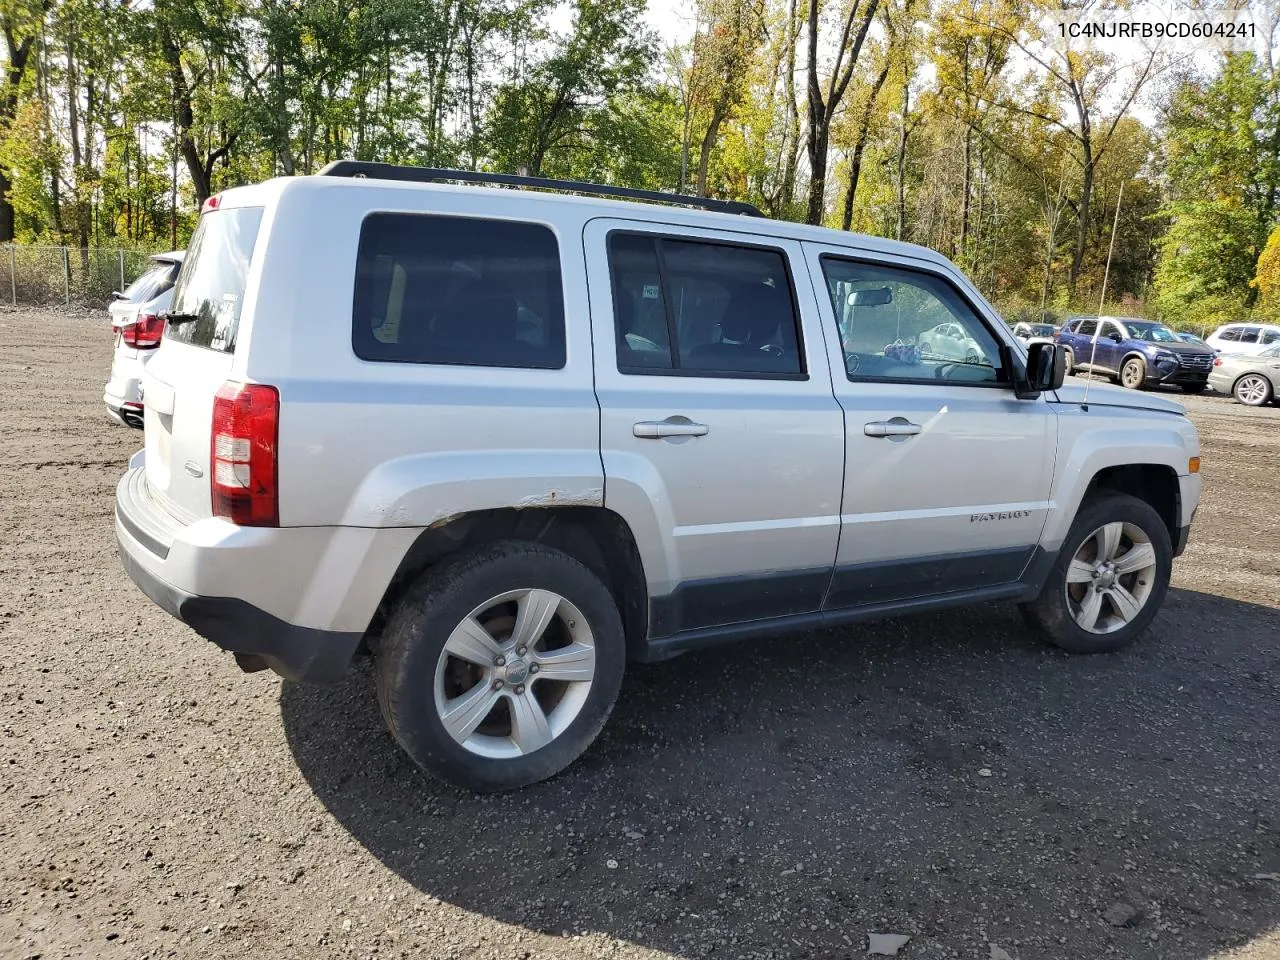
column 137, row 326
column 1244, row 339
column 950, row 341
column 1035, row 332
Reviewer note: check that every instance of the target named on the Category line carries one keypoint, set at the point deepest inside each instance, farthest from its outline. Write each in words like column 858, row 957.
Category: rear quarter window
column 458, row 290
column 209, row 294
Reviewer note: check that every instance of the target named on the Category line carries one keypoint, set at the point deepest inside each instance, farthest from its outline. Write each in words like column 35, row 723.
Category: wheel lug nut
column 500, row 662
column 498, row 684
column 572, row 624
column 519, row 689
column 533, row 668
column 521, row 650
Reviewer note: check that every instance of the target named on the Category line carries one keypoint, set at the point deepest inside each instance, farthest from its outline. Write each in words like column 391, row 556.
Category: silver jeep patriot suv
column 506, row 440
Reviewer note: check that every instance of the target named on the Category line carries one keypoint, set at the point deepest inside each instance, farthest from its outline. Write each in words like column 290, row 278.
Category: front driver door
column 947, row 474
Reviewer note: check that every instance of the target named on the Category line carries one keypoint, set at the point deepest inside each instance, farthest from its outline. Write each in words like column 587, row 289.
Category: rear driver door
column 722, row 442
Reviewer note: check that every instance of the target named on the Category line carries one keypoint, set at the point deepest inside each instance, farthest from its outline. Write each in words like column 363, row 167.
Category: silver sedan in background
column 1251, row 379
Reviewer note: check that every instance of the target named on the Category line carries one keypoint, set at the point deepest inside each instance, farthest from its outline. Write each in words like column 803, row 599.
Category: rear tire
column 1253, row 389
column 1070, row 360
column 1112, row 571
column 1133, row 373
column 497, row 669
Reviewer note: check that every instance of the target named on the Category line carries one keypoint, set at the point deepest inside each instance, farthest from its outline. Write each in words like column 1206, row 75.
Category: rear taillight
column 145, row 333
column 242, row 456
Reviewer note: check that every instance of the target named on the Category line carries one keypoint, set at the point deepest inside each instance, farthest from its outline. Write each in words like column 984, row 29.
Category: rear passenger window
column 702, row 308
column 457, row 290
column 1087, row 328
column 1231, row 335
column 1249, row 335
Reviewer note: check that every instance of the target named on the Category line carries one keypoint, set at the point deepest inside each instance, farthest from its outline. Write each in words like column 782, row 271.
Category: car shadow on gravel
column 942, row 776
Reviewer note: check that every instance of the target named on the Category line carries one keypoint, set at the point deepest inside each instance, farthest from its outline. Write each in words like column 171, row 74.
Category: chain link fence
column 40, row 276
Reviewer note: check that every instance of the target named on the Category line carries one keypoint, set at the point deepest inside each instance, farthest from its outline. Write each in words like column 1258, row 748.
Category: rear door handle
column 670, row 427
column 897, row 428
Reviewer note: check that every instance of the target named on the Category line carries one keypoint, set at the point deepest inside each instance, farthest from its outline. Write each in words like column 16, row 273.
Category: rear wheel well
column 1153, row 483
column 597, row 538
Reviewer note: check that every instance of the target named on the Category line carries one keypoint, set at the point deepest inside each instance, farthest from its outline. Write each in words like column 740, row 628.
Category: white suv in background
column 505, row 441
column 137, row 324
column 1248, row 339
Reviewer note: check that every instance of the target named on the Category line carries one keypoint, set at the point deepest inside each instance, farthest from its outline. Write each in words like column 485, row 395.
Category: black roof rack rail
column 391, row 171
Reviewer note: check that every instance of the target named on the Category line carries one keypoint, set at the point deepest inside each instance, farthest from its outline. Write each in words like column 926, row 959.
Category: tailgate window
column 210, row 286
column 158, row 278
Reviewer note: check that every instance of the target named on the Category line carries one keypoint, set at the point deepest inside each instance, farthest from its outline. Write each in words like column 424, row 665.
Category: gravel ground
column 944, row 777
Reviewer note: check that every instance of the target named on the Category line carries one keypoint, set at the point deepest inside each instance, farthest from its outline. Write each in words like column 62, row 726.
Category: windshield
column 1041, row 329
column 210, row 286
column 1152, row 332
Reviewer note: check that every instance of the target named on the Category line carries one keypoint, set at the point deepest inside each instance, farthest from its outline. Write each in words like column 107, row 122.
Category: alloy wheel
column 1131, row 375
column 1253, row 389
column 515, row 673
column 1110, row 577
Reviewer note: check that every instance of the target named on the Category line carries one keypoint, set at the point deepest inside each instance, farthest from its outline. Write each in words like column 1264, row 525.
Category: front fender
column 1106, row 437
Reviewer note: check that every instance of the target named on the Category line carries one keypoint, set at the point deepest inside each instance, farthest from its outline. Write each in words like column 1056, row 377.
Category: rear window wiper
column 177, row 318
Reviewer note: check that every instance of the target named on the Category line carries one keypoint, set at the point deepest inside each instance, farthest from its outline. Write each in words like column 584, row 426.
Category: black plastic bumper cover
column 295, row 653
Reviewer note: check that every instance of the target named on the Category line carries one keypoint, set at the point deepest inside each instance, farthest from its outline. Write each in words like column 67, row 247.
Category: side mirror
column 1046, row 367
column 1115, row 336
column 117, row 295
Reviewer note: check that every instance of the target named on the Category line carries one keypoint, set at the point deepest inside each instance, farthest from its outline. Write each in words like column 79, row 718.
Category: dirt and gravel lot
column 944, row 777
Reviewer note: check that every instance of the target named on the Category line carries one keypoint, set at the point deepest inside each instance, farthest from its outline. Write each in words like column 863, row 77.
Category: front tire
column 1253, row 389
column 1110, row 577
column 498, row 668
column 1133, row 374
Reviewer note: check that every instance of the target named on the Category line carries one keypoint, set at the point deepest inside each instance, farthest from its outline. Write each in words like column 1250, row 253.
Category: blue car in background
column 1135, row 353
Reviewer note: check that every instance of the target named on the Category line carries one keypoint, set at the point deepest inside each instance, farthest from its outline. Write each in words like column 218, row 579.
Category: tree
column 1075, row 86
column 20, row 22
column 854, row 24
column 601, row 57
column 1222, row 142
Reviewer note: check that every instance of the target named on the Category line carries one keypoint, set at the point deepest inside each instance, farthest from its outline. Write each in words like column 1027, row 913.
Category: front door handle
column 897, row 428
column 670, row 427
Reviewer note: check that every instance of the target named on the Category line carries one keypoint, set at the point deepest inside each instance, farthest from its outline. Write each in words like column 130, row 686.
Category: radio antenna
column 1106, row 274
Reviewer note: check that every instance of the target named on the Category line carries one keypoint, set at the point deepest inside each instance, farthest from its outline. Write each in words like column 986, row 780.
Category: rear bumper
column 123, row 392
column 221, row 580
column 258, row 639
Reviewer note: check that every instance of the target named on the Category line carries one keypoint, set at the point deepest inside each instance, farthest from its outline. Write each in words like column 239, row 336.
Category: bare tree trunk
column 903, row 133
column 792, row 144
column 18, row 55
column 966, row 190
column 709, row 141
column 855, row 166
column 1082, row 234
